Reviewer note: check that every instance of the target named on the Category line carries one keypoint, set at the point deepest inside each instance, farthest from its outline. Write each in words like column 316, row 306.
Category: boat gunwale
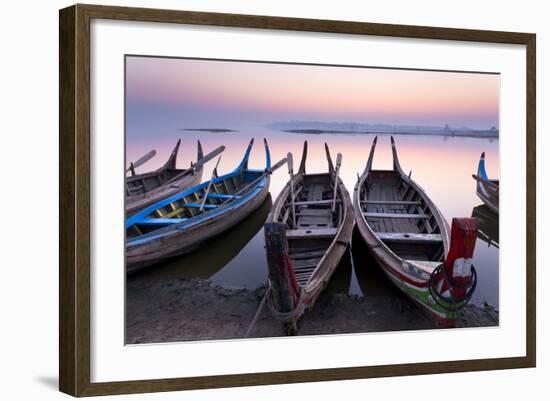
column 317, row 280
column 377, row 243
column 208, row 215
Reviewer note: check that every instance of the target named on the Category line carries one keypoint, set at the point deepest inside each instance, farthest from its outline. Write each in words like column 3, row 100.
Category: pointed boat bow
column 304, row 158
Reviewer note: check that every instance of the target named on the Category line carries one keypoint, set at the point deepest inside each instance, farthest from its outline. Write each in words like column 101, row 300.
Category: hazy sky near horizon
column 191, row 93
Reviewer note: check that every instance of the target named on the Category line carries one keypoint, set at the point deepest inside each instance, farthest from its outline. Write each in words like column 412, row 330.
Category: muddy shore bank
column 167, row 310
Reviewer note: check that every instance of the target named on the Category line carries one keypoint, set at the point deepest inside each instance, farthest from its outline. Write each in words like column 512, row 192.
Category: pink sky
column 266, row 92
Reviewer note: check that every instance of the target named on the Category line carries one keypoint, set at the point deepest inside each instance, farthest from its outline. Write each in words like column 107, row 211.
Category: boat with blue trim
column 181, row 222
column 486, row 189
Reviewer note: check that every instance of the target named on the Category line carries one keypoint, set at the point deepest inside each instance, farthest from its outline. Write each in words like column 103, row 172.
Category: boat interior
column 143, row 183
column 311, row 223
column 191, row 203
column 401, row 218
column 201, row 199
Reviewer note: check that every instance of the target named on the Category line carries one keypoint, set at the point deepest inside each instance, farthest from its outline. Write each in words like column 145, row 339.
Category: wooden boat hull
column 180, row 223
column 144, row 190
column 139, row 202
column 182, row 242
column 488, row 196
column 409, row 237
column 312, row 244
column 414, row 288
column 488, row 225
column 486, row 189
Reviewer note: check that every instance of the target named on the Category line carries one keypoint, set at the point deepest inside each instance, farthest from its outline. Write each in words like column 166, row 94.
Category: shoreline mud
column 187, row 309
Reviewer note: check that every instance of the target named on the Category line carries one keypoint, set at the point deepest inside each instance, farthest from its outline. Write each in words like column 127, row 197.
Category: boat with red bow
column 412, row 242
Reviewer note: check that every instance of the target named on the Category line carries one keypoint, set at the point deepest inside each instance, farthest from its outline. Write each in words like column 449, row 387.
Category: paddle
column 266, row 172
column 210, row 184
column 142, row 160
column 209, row 157
column 338, row 164
column 291, row 183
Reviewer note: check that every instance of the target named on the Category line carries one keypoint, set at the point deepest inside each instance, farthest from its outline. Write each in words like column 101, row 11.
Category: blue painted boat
column 179, row 223
column 487, row 189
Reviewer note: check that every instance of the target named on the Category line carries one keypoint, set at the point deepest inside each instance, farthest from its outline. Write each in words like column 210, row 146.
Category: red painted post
column 458, row 263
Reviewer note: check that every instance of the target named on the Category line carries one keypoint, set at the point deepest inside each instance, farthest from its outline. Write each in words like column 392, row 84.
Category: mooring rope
column 257, row 315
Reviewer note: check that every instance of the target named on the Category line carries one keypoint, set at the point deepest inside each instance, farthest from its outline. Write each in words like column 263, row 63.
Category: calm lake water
column 442, row 165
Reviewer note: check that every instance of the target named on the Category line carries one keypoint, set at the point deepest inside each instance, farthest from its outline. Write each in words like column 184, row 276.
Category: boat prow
column 143, row 190
column 181, row 222
column 486, row 189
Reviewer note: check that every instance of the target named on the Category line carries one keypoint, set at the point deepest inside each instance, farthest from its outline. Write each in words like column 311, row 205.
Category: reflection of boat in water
column 371, row 279
column 409, row 238
column 340, row 281
column 488, row 225
column 180, row 223
column 486, row 189
column 217, row 252
column 307, row 233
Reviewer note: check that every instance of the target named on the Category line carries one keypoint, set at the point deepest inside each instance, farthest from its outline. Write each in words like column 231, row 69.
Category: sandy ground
column 164, row 310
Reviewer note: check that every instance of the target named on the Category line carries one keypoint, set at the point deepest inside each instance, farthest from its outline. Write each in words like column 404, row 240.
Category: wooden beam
column 384, row 202
column 394, row 216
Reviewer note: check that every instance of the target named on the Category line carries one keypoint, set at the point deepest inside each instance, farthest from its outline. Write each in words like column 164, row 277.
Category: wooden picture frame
column 74, row 204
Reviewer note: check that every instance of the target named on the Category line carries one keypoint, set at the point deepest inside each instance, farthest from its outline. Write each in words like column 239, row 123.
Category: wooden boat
column 409, row 238
column 488, row 225
column 307, row 232
column 216, row 252
column 179, row 223
column 486, row 189
column 143, row 190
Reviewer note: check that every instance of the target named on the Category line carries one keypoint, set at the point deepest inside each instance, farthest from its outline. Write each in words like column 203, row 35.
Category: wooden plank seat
column 312, row 233
column 314, row 217
column 370, row 215
column 410, row 237
column 307, row 254
column 159, row 221
column 316, row 202
column 388, row 202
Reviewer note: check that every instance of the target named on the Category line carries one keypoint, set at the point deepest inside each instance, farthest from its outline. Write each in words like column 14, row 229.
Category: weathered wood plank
column 410, row 237
column 312, row 233
column 395, row 216
column 391, row 202
column 317, row 202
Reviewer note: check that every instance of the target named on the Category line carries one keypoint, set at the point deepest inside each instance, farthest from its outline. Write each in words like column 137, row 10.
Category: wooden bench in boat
column 370, row 215
column 314, row 217
column 410, row 237
column 316, row 202
column 312, row 233
column 383, row 202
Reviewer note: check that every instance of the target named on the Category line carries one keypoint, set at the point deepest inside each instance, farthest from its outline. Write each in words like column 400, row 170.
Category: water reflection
column 215, row 253
column 488, row 225
column 340, row 281
column 441, row 165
